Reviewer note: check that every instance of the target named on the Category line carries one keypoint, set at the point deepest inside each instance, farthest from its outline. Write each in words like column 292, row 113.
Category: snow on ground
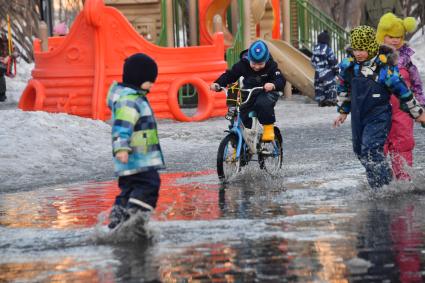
column 38, row 148
column 16, row 85
column 417, row 42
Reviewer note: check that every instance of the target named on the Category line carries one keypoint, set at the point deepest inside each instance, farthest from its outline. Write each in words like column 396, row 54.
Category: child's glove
column 215, row 87
column 273, row 96
column 231, row 113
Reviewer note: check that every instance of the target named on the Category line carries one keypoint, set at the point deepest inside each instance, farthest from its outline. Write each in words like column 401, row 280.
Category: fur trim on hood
column 388, row 52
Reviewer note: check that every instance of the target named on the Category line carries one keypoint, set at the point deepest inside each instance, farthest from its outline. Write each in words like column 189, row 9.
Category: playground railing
column 307, row 22
column 232, row 53
column 162, row 41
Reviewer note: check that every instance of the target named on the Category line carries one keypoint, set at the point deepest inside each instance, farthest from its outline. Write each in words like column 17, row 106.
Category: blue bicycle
column 241, row 144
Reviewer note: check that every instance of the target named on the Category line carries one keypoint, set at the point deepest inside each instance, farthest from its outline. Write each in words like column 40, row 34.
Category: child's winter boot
column 268, row 133
column 139, row 212
column 118, row 215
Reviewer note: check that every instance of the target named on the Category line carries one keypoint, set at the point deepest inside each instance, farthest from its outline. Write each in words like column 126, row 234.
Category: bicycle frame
column 250, row 136
column 241, row 144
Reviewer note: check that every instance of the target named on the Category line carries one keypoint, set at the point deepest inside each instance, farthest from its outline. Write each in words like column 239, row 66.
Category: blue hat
column 258, row 52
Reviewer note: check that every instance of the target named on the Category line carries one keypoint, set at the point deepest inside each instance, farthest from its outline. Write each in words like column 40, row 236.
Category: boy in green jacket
column 136, row 149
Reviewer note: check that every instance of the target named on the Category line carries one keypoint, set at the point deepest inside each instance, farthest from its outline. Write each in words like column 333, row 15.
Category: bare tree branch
column 25, row 16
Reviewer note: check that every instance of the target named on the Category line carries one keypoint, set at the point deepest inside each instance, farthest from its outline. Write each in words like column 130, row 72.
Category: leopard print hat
column 364, row 38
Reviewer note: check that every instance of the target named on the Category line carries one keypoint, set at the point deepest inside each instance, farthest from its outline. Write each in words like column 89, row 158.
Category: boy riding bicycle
column 258, row 69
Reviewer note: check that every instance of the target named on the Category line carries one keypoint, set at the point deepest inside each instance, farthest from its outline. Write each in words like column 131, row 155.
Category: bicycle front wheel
column 227, row 162
column 271, row 155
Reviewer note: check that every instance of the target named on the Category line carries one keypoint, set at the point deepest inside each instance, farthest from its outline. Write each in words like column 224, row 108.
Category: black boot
column 2, row 97
column 118, row 215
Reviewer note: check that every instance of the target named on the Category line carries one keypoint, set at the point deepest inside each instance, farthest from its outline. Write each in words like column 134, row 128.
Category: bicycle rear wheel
column 271, row 155
column 227, row 162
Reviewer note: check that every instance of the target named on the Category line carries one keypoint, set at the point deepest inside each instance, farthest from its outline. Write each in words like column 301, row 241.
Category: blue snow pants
column 324, row 88
column 370, row 124
column 143, row 186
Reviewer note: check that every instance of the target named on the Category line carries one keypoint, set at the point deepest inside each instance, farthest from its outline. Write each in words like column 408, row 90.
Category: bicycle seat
column 252, row 114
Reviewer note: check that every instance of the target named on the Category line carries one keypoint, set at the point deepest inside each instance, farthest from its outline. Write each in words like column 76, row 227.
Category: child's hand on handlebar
column 215, row 87
column 269, row 86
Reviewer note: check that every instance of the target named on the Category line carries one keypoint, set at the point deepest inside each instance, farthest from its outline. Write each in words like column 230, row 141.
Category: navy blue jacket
column 269, row 74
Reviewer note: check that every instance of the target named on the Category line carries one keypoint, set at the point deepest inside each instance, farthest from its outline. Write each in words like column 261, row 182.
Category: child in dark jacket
column 258, row 69
column 3, row 66
column 367, row 79
column 326, row 68
column 400, row 142
column 136, row 149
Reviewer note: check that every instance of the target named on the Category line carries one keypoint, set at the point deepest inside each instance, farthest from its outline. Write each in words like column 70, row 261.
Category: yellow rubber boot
column 268, row 133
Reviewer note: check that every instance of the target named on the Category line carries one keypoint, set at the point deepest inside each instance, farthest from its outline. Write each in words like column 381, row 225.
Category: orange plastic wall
column 74, row 75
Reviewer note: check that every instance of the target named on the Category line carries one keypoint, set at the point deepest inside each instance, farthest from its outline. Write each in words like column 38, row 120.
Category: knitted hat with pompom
column 393, row 26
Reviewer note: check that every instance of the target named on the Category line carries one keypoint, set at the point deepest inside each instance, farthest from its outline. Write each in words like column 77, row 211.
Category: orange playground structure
column 73, row 73
column 207, row 10
column 263, row 18
column 73, row 76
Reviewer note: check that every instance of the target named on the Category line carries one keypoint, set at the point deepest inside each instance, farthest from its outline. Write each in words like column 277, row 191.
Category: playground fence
column 307, row 22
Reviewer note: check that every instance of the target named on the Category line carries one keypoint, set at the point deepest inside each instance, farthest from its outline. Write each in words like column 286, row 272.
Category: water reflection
column 246, row 232
column 391, row 239
column 64, row 270
column 76, row 207
column 135, row 263
column 188, row 200
column 408, row 243
column 57, row 208
column 265, row 260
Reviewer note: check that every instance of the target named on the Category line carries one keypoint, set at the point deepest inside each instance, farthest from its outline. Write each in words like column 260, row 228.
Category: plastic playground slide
column 295, row 66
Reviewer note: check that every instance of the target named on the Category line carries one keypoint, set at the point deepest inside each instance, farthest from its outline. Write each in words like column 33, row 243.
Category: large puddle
column 257, row 229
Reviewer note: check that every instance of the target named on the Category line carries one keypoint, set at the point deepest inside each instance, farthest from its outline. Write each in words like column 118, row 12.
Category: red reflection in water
column 187, row 201
column 64, row 270
column 80, row 206
column 407, row 241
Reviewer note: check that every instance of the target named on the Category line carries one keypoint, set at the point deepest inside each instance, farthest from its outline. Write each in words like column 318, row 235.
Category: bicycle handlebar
column 249, row 90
